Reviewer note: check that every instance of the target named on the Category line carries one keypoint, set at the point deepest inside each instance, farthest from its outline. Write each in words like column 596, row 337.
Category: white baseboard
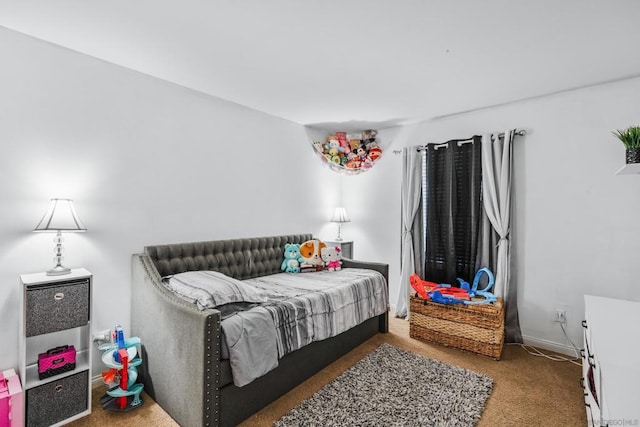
column 96, row 381
column 549, row 345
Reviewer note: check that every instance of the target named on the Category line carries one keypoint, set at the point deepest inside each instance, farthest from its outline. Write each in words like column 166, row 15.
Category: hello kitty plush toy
column 332, row 257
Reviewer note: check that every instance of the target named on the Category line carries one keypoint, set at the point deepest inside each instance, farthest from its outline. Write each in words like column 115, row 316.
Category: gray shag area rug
column 394, row 387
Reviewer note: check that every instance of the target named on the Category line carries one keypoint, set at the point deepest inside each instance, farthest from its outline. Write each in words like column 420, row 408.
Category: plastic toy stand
column 122, row 359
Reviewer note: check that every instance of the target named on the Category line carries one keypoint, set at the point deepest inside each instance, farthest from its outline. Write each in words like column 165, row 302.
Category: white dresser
column 611, row 361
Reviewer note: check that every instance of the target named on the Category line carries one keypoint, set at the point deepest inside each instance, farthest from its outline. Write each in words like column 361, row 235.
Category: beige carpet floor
column 527, row 390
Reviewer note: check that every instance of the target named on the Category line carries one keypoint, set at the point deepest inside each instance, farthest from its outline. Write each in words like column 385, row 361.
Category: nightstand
column 56, row 311
column 346, row 246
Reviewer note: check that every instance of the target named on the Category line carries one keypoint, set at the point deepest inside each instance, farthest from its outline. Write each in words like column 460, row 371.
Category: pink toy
column 344, row 142
column 10, row 400
column 56, row 361
column 332, row 257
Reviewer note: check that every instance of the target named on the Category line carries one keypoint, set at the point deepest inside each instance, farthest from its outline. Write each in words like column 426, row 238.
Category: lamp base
column 339, row 237
column 58, row 270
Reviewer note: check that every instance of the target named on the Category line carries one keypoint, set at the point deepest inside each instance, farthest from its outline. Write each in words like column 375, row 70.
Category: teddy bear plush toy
column 292, row 258
column 332, row 257
column 354, row 143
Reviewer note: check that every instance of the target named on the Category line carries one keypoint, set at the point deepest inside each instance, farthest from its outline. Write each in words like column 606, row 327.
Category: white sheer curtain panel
column 410, row 194
column 497, row 166
column 496, row 193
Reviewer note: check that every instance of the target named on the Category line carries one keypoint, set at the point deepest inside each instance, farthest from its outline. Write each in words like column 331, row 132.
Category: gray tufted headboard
column 238, row 258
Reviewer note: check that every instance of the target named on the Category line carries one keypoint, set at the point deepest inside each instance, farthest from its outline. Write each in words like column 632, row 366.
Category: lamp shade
column 61, row 216
column 340, row 215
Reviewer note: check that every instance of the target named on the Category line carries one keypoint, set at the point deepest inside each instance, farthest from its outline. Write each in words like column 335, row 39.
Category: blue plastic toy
column 488, row 296
column 446, row 294
column 437, row 296
column 121, row 356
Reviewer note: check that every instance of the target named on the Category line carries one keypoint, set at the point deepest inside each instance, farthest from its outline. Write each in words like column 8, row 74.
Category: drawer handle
column 58, row 388
column 584, row 324
column 59, row 296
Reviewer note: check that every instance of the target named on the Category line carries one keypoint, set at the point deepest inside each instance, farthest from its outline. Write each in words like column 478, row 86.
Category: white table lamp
column 61, row 216
column 340, row 216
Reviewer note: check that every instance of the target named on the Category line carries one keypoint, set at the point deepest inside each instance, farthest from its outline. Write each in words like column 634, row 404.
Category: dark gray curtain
column 453, row 210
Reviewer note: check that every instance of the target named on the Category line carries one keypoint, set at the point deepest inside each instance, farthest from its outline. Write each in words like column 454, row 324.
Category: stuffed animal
column 361, row 152
column 292, row 258
column 354, row 144
column 375, row 153
column 369, row 134
column 344, row 142
column 370, row 144
column 334, row 147
column 353, row 163
column 346, row 149
column 332, row 257
column 318, row 146
column 310, row 251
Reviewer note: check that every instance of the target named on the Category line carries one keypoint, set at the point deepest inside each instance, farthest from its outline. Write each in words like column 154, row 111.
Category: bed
column 184, row 369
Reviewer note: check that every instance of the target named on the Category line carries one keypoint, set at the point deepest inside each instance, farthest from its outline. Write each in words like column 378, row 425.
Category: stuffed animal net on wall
column 349, row 153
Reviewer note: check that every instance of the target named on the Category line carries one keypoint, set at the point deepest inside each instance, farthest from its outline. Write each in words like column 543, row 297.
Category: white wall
column 576, row 226
column 146, row 162
column 372, row 199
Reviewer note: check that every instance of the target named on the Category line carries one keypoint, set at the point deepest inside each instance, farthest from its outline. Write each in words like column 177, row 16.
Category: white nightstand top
column 35, row 278
column 337, row 242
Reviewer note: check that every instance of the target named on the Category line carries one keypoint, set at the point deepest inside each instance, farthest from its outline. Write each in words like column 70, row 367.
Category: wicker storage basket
column 476, row 328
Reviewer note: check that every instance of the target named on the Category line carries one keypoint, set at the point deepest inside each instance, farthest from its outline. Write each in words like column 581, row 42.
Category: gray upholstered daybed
column 182, row 367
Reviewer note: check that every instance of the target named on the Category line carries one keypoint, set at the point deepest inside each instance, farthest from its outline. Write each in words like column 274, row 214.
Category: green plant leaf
column 630, row 136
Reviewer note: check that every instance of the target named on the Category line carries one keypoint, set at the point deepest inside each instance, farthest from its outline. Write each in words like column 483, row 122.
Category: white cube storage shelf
column 56, row 311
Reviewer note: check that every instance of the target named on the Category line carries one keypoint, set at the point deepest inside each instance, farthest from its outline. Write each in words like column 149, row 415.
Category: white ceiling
column 378, row 61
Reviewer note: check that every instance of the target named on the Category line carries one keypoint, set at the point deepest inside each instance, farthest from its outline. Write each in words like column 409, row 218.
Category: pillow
column 311, row 253
column 211, row 289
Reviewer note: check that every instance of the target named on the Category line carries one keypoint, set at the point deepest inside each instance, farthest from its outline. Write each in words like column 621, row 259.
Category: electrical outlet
column 102, row 335
column 560, row 316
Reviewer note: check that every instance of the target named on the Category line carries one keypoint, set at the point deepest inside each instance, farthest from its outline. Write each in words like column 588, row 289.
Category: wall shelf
column 629, row 169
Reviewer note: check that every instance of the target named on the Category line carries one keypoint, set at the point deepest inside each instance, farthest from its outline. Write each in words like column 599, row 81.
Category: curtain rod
column 519, row 132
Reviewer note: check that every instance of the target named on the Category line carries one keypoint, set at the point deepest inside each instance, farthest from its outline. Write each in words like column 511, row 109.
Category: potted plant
column 630, row 137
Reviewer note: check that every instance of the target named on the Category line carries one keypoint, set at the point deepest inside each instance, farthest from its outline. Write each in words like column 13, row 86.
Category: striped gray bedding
column 289, row 311
column 309, row 307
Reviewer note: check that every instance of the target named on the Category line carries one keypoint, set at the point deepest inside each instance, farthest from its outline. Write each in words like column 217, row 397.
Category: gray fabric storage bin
column 58, row 400
column 51, row 308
